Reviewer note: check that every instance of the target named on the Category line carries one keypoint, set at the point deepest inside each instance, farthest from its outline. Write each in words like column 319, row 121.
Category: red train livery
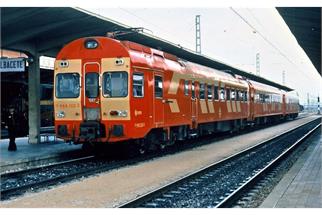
column 118, row 91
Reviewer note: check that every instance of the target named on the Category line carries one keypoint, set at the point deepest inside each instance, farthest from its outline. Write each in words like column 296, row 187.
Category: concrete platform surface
column 301, row 186
column 32, row 154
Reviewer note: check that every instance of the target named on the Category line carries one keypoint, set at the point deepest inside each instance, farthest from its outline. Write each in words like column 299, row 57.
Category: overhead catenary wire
column 267, row 40
column 152, row 24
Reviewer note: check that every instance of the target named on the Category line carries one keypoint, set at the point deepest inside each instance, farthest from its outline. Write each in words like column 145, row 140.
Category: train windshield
column 67, row 85
column 115, row 84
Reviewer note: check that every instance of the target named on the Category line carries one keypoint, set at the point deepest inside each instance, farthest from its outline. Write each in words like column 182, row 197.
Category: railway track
column 34, row 179
column 18, row 182
column 222, row 184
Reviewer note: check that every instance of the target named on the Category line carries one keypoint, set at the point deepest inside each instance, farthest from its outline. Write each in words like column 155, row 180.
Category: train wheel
column 162, row 146
column 141, row 147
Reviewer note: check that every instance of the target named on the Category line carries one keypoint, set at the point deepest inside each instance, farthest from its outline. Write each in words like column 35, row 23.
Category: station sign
column 12, row 65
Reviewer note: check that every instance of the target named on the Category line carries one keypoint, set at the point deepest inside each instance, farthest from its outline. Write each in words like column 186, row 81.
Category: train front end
column 91, row 96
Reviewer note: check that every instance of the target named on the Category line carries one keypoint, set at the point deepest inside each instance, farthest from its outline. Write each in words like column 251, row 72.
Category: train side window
column 186, row 88
column 202, row 91
column 233, row 94
column 158, row 87
column 267, row 99
column 257, row 98
column 242, row 96
column 216, row 96
column 209, row 92
column 228, row 94
column 138, row 85
column 222, row 93
column 245, row 96
column 237, row 95
column 193, row 93
column 262, row 98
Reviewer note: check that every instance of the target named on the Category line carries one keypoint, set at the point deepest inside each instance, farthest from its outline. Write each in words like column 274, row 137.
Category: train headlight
column 60, row 114
column 91, row 44
column 121, row 113
column 119, row 61
column 64, row 63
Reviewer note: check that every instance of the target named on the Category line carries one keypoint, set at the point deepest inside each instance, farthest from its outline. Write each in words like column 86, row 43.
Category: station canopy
column 305, row 24
column 48, row 29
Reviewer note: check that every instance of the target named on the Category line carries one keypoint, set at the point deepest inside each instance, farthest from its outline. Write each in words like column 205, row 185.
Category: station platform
column 301, row 186
column 30, row 155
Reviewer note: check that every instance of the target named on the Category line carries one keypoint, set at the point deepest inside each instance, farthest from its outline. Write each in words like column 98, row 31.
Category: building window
column 158, row 87
column 138, row 85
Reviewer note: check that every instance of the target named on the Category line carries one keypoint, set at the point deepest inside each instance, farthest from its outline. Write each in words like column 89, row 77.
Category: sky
column 232, row 35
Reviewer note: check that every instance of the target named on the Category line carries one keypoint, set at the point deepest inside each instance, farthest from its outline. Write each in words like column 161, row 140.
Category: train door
column 158, row 101
column 91, row 98
column 194, row 105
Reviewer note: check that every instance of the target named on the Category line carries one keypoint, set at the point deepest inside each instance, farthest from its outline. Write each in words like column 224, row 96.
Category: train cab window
column 115, row 84
column 91, row 84
column 186, row 88
column 202, row 91
column 138, row 85
column 216, row 96
column 158, row 87
column 245, row 96
column 67, row 85
column 193, row 93
column 228, row 94
column 209, row 92
column 222, row 93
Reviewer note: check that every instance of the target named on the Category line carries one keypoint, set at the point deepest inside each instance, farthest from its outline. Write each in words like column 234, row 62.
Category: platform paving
column 301, row 186
column 28, row 155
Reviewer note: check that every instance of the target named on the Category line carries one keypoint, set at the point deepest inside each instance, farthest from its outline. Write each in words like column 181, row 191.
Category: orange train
column 111, row 91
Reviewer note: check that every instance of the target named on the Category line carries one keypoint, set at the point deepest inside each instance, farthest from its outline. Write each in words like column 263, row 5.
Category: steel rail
column 8, row 192
column 229, row 200
column 156, row 192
